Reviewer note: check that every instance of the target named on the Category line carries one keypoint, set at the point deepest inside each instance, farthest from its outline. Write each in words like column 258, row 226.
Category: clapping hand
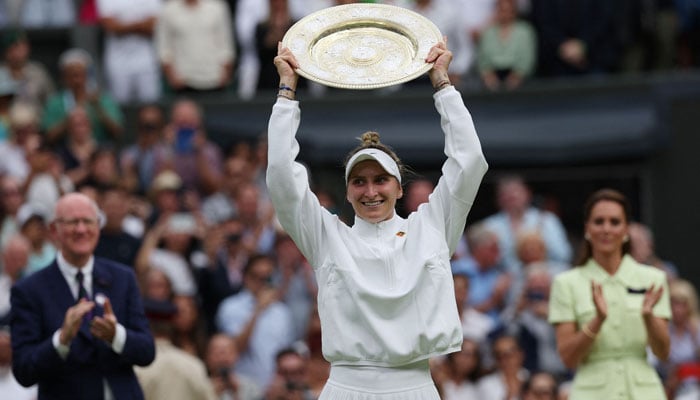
column 651, row 297
column 105, row 327
column 73, row 320
column 601, row 306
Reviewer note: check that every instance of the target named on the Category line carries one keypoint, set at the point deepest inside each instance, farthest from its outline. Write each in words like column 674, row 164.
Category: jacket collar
column 625, row 274
column 370, row 230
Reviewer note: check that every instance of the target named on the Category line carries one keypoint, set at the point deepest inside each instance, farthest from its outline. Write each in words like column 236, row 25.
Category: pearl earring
column 587, row 237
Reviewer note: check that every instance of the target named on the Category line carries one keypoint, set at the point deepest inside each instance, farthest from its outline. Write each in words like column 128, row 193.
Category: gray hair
column 75, row 56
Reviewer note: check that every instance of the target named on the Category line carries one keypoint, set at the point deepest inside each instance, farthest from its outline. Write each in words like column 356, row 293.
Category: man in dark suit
column 78, row 325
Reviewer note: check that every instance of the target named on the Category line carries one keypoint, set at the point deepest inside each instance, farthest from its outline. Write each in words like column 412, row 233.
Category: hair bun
column 370, row 138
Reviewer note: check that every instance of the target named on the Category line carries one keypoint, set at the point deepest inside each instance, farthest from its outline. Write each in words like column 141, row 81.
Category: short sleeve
column 561, row 304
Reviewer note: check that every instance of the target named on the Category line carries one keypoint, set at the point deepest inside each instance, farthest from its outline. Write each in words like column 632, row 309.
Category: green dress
column 616, row 367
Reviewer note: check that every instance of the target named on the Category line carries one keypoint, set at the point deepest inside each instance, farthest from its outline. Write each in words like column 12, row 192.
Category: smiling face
column 76, row 228
column 373, row 192
column 606, row 228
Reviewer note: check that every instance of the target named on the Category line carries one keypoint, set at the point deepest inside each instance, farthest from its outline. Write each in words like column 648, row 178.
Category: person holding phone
column 386, row 297
column 197, row 160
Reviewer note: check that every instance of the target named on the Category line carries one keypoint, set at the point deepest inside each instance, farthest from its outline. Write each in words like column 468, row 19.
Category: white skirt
column 408, row 382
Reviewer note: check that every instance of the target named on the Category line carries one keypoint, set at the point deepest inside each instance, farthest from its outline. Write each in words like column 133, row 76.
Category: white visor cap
column 377, row 155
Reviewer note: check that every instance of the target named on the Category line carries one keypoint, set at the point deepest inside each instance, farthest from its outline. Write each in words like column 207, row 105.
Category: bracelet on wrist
column 442, row 84
column 287, row 88
column 286, row 96
column 588, row 332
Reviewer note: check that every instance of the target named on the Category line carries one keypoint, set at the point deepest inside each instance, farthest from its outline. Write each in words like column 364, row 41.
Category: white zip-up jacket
column 386, row 295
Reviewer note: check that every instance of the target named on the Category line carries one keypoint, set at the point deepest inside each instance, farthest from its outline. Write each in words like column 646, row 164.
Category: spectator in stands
column 80, row 90
column 249, row 13
column 516, row 213
column 167, row 246
column 462, row 372
column 157, row 286
column 576, row 38
column 682, row 369
column 138, row 160
column 11, row 199
column 47, row 180
column 196, row 159
column 192, row 58
column 643, row 250
column 78, row 147
column 291, row 377
column 24, row 138
column 174, row 374
column 130, row 59
column 165, row 196
column 9, row 387
column 32, row 81
column 507, row 380
column 540, row 386
column 453, row 26
column 507, row 49
column 259, row 322
column 115, row 242
column 417, row 192
column 32, row 220
column 477, row 15
column 46, row 13
column 14, row 260
column 530, row 248
column 221, row 205
column 319, row 368
column 296, row 283
column 223, row 275
column 103, row 169
column 528, row 323
column 221, row 358
column 475, row 324
column 489, row 282
column 268, row 33
column 189, row 327
column 257, row 215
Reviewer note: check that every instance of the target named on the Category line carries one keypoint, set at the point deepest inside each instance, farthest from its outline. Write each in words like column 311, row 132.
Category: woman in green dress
column 610, row 309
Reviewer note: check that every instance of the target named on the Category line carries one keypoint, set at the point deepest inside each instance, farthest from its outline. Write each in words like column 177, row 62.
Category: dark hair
column 370, row 140
column 254, row 259
column 478, row 371
column 585, row 251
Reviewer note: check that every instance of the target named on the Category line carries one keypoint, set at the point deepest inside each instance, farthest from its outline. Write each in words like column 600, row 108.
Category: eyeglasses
column 74, row 222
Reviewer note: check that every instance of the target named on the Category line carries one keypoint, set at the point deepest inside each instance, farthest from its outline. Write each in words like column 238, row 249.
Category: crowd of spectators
column 237, row 298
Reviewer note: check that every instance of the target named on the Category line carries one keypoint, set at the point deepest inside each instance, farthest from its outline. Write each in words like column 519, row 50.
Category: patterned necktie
column 82, row 293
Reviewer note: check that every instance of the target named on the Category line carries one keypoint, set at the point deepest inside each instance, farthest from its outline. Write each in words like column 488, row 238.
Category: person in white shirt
column 195, row 44
column 386, row 296
column 130, row 58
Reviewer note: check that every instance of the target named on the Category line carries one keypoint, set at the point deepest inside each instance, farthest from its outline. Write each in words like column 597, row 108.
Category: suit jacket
column 39, row 304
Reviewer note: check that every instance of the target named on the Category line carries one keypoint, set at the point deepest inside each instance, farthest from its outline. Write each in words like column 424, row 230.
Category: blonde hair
column 684, row 290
